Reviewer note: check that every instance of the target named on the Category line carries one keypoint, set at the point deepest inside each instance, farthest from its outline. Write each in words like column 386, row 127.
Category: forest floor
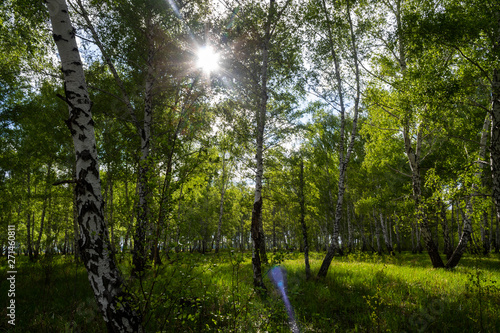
column 213, row 293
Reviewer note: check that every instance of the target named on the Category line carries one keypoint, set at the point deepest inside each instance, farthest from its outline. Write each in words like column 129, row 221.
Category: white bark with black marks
column 104, row 277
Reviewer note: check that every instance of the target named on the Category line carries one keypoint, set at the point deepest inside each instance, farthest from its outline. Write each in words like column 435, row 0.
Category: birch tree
column 262, row 69
column 334, row 89
column 104, row 277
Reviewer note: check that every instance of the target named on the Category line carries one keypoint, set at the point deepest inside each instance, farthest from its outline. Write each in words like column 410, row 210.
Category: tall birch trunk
column 28, row 220
column 398, row 234
column 497, row 237
column 221, row 203
column 414, row 156
column 140, row 242
column 343, row 159
column 350, row 239
column 387, row 241
column 104, row 276
column 302, row 204
column 143, row 131
column 363, row 237
column 495, row 126
column 44, row 210
column 377, row 233
column 256, row 226
column 446, row 232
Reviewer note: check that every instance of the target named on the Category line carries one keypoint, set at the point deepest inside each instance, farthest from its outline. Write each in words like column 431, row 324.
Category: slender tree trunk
column 302, row 204
column 362, row 232
column 436, row 234
column 372, row 233
column 139, row 257
column 446, row 233
column 497, row 236
column 350, row 239
column 464, row 239
column 467, row 215
column 131, row 218
column 110, row 221
column 389, row 230
column 28, row 220
column 76, row 230
column 221, row 203
column 485, row 229
column 104, row 276
column 385, row 231
column 495, row 125
column 413, row 159
column 49, row 248
column 398, row 234
column 413, row 236
column 377, row 233
column 44, row 210
column 492, row 219
column 256, row 226
column 450, row 227
column 274, row 228
column 343, row 159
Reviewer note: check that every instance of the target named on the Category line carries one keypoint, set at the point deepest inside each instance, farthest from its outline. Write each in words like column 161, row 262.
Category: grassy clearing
column 196, row 293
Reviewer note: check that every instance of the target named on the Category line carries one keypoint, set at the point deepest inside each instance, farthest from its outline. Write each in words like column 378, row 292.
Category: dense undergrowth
column 213, row 293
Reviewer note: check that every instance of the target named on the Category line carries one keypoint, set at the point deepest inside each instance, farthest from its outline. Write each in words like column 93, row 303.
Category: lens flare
column 277, row 274
column 208, row 59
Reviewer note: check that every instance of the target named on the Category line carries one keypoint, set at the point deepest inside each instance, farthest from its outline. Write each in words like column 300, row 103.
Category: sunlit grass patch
column 214, row 293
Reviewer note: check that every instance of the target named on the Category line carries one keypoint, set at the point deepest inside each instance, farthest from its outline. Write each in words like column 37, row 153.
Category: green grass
column 209, row 293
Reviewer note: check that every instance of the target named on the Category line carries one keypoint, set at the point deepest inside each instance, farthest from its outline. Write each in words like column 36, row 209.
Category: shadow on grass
column 52, row 295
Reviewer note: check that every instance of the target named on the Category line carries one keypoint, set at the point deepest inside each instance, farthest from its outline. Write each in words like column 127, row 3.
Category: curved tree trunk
column 104, row 277
column 467, row 215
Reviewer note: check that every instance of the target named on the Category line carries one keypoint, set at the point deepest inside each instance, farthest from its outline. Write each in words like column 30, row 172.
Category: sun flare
column 208, row 59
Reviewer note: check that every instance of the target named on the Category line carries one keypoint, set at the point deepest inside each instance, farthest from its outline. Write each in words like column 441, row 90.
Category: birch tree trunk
column 302, row 204
column 377, row 233
column 221, row 203
column 140, row 249
column 398, row 234
column 28, row 220
column 44, row 210
column 104, row 276
column 256, row 226
column 446, row 232
column 495, row 126
column 413, row 156
column 350, row 239
column 413, row 245
column 343, row 159
column 497, row 237
column 362, row 231
column 467, row 215
column 387, row 241
column 139, row 258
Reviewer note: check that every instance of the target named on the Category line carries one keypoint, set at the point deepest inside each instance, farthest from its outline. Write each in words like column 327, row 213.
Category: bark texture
column 104, row 277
